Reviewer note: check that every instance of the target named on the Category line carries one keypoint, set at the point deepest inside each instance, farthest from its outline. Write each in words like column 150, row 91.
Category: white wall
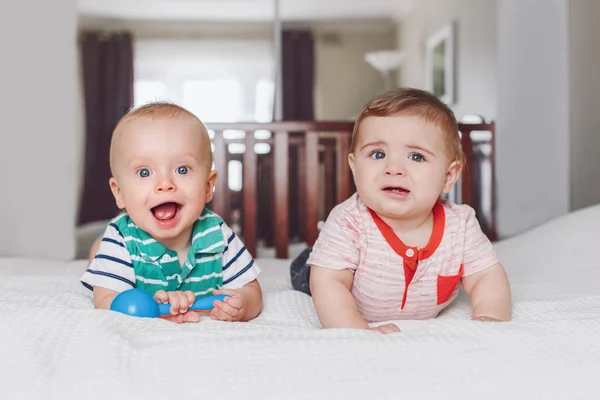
column 585, row 103
column 475, row 54
column 513, row 67
column 344, row 80
column 533, row 113
column 38, row 153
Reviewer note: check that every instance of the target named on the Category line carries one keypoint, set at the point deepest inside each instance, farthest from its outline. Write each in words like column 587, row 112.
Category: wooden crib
column 298, row 172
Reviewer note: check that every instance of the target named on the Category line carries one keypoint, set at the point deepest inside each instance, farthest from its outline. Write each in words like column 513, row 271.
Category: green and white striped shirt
column 129, row 257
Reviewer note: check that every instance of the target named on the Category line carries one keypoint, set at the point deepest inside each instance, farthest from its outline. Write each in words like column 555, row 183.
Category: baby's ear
column 351, row 161
column 211, row 181
column 452, row 175
column 116, row 191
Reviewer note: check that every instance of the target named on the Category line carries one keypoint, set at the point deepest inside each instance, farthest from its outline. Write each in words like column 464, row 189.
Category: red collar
column 412, row 255
column 404, row 251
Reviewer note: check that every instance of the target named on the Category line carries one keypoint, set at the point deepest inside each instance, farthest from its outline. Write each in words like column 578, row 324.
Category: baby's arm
column 103, row 297
column 94, row 249
column 243, row 304
column 484, row 277
column 490, row 294
column 240, row 283
column 334, row 303
column 252, row 293
column 334, row 258
column 110, row 270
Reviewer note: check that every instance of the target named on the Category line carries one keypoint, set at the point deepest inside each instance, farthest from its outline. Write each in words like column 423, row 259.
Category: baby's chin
column 172, row 238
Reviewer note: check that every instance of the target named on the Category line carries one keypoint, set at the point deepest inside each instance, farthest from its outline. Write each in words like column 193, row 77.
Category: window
column 217, row 80
column 213, row 100
column 147, row 91
column 264, row 101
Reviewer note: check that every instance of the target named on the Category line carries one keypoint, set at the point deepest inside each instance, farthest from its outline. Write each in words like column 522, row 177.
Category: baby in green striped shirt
column 165, row 241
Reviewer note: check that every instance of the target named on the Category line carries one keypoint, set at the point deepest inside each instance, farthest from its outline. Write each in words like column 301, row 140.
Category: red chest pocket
column 446, row 284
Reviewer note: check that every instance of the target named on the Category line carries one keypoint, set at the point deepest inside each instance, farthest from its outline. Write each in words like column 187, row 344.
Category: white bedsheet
column 54, row 345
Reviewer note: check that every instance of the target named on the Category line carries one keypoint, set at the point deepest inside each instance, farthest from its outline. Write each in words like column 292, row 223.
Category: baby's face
column 162, row 175
column 401, row 165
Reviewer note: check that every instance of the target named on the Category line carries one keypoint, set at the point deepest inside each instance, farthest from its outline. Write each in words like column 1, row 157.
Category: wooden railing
column 478, row 180
column 280, row 196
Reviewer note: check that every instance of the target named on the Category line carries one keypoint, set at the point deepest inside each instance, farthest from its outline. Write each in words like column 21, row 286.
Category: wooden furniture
column 478, row 180
column 304, row 173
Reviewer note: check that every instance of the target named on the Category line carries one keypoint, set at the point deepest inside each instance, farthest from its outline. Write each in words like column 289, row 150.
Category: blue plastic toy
column 138, row 303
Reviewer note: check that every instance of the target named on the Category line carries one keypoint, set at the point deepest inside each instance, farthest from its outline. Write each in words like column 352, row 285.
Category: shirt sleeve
column 337, row 246
column 479, row 252
column 239, row 268
column 111, row 268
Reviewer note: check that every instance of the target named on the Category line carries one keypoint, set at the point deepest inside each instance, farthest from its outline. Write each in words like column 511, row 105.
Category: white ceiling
column 243, row 10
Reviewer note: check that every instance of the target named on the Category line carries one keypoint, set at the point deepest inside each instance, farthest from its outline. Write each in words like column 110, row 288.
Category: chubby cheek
column 195, row 192
column 137, row 208
column 365, row 180
column 135, row 192
column 136, row 205
column 429, row 185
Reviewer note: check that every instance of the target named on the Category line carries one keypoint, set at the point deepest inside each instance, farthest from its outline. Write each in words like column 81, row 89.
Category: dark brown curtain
column 107, row 62
column 298, row 81
column 298, row 75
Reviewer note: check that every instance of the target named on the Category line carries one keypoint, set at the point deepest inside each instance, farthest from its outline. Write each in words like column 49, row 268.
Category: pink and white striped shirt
column 396, row 281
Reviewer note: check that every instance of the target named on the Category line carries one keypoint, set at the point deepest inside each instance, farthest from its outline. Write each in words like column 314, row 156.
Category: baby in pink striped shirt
column 395, row 249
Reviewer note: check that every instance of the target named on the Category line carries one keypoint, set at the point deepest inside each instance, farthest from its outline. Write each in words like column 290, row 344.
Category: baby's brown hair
column 417, row 103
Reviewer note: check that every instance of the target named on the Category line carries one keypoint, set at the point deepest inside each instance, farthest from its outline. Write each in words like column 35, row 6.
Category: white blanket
column 54, row 345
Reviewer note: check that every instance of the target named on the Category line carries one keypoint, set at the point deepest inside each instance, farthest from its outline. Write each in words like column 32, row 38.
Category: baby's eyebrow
column 189, row 155
column 374, row 144
column 137, row 161
column 419, row 148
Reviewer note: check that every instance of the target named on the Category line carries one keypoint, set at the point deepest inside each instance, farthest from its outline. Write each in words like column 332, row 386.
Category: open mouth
column 396, row 189
column 166, row 211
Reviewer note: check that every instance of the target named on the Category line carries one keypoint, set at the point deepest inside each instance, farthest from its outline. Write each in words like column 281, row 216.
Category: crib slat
column 219, row 202
column 312, row 186
column 466, row 177
column 301, row 180
column 281, row 171
column 249, row 187
column 493, row 234
column 343, row 170
column 329, row 165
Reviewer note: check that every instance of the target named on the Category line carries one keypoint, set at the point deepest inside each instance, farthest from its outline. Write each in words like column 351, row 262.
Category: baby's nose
column 394, row 169
column 165, row 185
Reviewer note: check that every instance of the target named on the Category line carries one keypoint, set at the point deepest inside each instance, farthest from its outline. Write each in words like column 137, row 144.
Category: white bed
column 54, row 345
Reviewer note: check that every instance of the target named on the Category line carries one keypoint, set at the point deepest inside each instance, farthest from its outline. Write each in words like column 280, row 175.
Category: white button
column 410, row 252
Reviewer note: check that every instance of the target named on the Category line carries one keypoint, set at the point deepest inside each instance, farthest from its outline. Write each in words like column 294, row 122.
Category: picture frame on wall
column 440, row 63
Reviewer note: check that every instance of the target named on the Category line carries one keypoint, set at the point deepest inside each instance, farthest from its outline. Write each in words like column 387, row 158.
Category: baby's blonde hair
column 153, row 110
column 418, row 103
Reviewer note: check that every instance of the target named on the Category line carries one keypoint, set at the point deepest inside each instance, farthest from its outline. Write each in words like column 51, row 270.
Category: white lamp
column 385, row 62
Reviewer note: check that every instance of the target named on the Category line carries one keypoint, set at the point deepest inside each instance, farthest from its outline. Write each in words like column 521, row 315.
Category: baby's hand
column 180, row 302
column 387, row 328
column 232, row 309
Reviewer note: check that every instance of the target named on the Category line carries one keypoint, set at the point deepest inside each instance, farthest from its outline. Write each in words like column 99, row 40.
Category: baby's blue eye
column 182, row 170
column 144, row 172
column 416, row 157
column 377, row 155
